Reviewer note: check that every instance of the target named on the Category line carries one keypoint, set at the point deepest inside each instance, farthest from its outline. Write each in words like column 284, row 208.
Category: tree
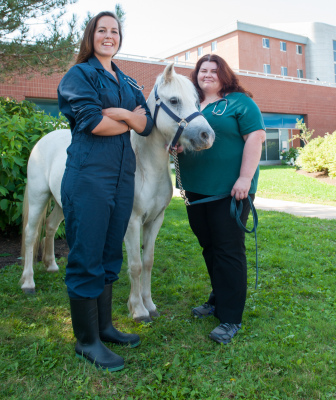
column 305, row 134
column 49, row 52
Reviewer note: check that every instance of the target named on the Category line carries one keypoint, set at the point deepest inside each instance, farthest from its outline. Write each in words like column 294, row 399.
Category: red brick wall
column 316, row 103
column 254, row 60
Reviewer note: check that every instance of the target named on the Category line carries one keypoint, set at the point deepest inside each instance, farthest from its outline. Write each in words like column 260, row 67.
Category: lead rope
column 234, row 212
column 178, row 177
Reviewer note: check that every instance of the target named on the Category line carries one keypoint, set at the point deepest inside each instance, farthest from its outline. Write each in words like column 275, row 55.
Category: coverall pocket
column 109, row 98
column 85, row 150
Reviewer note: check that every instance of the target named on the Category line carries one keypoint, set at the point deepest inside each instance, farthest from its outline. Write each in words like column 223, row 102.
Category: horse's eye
column 174, row 101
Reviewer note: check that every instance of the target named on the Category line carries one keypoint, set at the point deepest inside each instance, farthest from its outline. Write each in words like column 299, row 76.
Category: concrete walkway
column 291, row 207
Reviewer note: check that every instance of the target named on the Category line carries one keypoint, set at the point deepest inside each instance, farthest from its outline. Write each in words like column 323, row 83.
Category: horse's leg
column 52, row 224
column 33, row 213
column 150, row 232
column 132, row 242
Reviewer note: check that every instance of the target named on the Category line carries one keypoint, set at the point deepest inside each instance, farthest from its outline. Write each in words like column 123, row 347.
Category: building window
column 298, row 49
column 334, row 48
column 49, row 106
column 176, row 59
column 214, row 46
column 267, row 69
column 187, row 56
column 299, row 73
column 284, row 71
column 266, row 43
column 283, row 46
column 200, row 51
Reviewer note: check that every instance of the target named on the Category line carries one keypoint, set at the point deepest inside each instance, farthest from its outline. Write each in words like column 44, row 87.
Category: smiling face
column 207, row 78
column 106, row 38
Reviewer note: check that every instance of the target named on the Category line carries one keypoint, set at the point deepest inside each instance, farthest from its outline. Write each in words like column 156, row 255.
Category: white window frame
column 283, row 70
column 299, row 73
column 187, row 56
column 200, row 51
column 176, row 59
column 266, row 43
column 299, row 49
column 214, row 46
column 283, row 46
column 267, row 68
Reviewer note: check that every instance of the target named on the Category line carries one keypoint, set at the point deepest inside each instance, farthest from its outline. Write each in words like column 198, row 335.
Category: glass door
column 271, row 146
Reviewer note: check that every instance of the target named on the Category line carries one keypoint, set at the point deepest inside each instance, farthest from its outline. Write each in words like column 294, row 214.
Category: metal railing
column 187, row 64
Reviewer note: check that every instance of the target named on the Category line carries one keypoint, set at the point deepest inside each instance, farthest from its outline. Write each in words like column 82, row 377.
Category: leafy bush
column 328, row 154
column 21, row 126
column 309, row 158
column 319, row 155
column 292, row 153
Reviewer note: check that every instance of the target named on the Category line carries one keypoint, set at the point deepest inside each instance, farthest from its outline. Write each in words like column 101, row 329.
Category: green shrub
column 319, row 155
column 21, row 126
column 309, row 158
column 287, row 156
column 328, row 154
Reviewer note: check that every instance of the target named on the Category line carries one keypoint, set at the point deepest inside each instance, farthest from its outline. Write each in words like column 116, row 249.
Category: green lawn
column 283, row 182
column 286, row 349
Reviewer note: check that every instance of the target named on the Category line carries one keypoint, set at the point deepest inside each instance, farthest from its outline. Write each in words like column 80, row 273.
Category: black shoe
column 84, row 315
column 224, row 333
column 107, row 332
column 205, row 310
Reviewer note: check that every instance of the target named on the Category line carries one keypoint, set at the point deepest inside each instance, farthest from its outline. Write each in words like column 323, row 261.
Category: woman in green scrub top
column 230, row 166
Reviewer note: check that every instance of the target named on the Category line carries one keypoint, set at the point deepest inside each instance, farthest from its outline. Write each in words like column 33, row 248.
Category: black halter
column 182, row 122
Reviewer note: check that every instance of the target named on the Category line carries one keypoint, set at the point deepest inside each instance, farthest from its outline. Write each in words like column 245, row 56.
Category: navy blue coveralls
column 97, row 189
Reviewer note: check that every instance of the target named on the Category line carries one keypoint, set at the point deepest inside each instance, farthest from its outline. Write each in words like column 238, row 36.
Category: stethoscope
column 135, row 85
column 128, row 80
column 219, row 112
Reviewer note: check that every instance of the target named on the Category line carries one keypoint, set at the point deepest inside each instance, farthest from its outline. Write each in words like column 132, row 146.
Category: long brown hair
column 86, row 48
column 227, row 78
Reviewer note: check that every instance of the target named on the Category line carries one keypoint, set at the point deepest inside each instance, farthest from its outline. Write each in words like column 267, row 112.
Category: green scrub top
column 214, row 171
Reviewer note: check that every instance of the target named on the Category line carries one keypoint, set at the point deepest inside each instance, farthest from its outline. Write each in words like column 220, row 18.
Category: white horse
column 153, row 188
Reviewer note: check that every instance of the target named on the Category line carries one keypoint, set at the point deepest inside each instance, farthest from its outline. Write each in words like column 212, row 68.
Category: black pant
column 223, row 244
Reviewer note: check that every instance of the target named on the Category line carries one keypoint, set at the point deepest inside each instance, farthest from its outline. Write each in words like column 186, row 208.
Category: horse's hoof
column 144, row 320
column 154, row 314
column 29, row 291
column 53, row 269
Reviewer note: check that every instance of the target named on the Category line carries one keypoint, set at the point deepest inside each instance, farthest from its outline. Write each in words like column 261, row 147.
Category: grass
column 285, row 350
column 282, row 182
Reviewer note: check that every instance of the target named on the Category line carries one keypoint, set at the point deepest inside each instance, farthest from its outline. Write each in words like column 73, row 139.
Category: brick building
column 276, row 66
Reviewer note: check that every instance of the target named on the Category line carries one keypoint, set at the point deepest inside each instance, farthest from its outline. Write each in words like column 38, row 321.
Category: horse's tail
column 42, row 219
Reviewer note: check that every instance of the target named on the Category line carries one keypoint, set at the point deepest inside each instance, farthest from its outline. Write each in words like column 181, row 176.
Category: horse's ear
column 168, row 73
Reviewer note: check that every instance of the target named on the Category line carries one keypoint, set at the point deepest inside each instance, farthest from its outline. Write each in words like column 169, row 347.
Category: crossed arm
column 119, row 120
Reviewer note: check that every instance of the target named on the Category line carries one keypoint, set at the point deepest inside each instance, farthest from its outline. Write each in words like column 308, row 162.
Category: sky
column 154, row 28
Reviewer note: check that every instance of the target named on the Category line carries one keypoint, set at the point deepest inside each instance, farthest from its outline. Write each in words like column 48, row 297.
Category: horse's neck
column 151, row 151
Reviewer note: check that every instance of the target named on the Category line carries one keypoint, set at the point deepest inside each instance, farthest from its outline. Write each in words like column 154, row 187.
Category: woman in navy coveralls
column 102, row 104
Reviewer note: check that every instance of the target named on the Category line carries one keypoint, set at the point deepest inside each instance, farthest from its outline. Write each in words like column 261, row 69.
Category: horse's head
column 178, row 111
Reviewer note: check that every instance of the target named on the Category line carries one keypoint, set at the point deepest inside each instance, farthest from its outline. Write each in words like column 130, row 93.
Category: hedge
column 21, row 126
column 319, row 155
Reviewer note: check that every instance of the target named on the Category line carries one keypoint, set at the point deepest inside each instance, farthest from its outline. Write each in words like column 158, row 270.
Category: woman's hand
column 135, row 119
column 177, row 147
column 139, row 110
column 117, row 114
column 121, row 114
column 241, row 188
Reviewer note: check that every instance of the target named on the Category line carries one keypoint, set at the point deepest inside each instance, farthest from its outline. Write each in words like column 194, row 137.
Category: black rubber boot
column 107, row 332
column 84, row 315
